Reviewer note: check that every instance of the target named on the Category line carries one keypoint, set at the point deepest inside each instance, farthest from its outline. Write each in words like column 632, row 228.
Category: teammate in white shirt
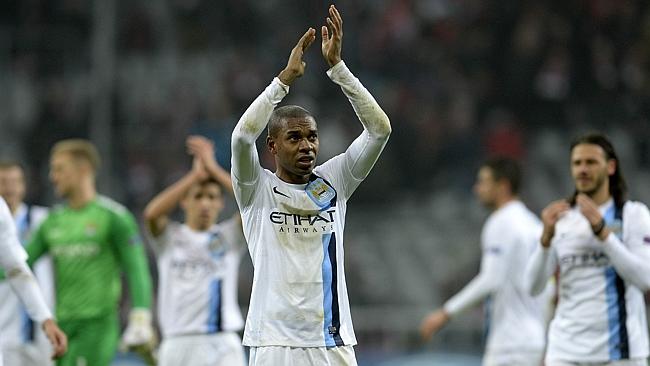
column 516, row 331
column 20, row 277
column 22, row 342
column 294, row 218
column 198, row 263
column 601, row 244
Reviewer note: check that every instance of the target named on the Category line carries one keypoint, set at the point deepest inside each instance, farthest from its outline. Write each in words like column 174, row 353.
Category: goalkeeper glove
column 139, row 333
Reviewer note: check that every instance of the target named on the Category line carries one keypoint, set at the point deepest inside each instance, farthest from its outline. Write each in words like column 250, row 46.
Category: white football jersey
column 295, row 235
column 295, row 231
column 17, row 327
column 515, row 320
column 600, row 315
column 197, row 284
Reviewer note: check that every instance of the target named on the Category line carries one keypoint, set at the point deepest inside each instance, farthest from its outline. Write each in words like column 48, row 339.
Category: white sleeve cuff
column 339, row 71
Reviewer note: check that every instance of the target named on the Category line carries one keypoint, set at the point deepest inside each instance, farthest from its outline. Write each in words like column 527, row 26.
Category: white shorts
column 294, row 356
column 31, row 354
column 531, row 358
column 635, row 362
column 221, row 349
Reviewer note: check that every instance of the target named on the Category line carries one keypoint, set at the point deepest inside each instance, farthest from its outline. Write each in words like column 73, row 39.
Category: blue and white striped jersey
column 197, row 284
column 600, row 315
column 295, row 231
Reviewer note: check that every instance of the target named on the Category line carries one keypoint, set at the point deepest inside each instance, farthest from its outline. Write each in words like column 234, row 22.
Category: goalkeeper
column 92, row 240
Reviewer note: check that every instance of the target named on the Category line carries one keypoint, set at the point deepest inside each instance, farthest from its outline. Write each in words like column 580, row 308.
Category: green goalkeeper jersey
column 90, row 247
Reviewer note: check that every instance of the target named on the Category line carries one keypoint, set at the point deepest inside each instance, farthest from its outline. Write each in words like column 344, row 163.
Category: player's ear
column 611, row 166
column 270, row 144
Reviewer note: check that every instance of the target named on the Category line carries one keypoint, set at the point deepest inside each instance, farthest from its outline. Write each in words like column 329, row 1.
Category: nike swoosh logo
column 275, row 190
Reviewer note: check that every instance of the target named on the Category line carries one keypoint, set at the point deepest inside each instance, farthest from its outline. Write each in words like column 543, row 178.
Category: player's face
column 590, row 168
column 65, row 174
column 202, row 205
column 295, row 149
column 12, row 185
column 486, row 187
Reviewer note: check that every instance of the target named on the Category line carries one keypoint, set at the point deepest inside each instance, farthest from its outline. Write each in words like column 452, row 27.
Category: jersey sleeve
column 18, row 274
column 12, row 253
column 539, row 269
column 496, row 246
column 234, row 234
column 353, row 166
column 36, row 245
column 246, row 167
column 631, row 258
column 159, row 243
column 133, row 259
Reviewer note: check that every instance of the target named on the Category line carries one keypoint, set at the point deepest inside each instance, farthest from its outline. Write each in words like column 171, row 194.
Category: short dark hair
column 617, row 185
column 505, row 168
column 276, row 122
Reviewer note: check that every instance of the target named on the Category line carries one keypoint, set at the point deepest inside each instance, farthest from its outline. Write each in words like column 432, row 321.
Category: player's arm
column 133, row 260
column 540, row 267
column 245, row 161
column 203, row 149
column 23, row 283
column 493, row 272
column 365, row 150
column 34, row 249
column 543, row 263
column 156, row 213
column 632, row 259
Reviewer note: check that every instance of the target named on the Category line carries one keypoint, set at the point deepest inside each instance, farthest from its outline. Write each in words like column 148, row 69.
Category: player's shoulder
column 513, row 217
column 113, row 209
column 635, row 209
column 110, row 205
column 635, row 205
column 56, row 210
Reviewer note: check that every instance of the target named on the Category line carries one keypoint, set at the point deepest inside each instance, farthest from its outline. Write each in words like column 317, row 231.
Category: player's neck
column 82, row 196
column 502, row 201
column 13, row 207
column 601, row 196
column 196, row 226
column 292, row 178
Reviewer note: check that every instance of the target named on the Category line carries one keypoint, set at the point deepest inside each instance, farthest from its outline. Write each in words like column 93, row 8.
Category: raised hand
column 590, row 210
column 203, row 149
column 331, row 43
column 296, row 66
column 550, row 216
column 198, row 169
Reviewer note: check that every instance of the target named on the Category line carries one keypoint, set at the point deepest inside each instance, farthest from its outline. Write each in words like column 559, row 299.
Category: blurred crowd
column 460, row 80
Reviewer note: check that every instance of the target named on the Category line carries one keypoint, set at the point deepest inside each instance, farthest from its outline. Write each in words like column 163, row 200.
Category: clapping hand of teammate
column 139, row 335
column 550, row 216
column 202, row 149
column 57, row 338
column 433, row 323
column 296, row 66
column 332, row 43
column 590, row 210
